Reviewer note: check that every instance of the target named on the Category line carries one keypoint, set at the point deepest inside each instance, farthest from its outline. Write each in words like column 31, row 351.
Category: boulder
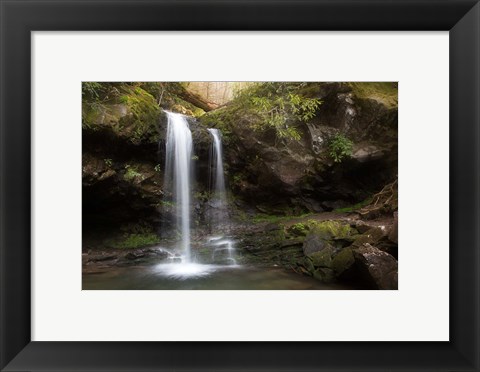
column 314, row 243
column 323, row 258
column 327, row 234
column 343, row 261
column 371, row 236
column 366, row 153
column 378, row 268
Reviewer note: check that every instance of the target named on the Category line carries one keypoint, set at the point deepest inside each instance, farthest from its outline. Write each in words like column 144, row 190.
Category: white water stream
column 178, row 167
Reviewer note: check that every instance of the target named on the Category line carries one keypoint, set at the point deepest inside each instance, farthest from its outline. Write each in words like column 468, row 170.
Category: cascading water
column 218, row 203
column 178, row 200
column 178, row 175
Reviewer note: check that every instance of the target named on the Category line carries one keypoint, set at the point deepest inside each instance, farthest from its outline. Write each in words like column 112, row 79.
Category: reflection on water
column 199, row 276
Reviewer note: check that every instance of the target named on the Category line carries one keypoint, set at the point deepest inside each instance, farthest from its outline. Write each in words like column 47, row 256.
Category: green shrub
column 132, row 241
column 340, row 147
column 277, row 104
column 91, row 90
column 132, row 174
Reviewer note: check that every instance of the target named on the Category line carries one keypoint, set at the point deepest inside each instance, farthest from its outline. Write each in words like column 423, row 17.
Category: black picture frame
column 18, row 18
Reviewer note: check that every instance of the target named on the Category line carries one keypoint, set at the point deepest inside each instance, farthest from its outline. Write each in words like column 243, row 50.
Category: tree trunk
column 196, row 100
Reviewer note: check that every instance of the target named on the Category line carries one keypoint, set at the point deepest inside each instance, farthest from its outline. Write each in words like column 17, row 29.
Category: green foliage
column 340, row 147
column 108, row 162
column 158, row 168
column 132, row 174
column 278, row 105
column 221, row 119
column 132, row 241
column 91, row 90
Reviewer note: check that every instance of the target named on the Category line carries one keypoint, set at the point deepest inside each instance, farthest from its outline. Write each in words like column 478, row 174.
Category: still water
column 197, row 276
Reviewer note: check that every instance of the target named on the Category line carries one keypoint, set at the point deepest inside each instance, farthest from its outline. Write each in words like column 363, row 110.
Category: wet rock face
column 102, row 260
column 123, row 179
column 302, row 173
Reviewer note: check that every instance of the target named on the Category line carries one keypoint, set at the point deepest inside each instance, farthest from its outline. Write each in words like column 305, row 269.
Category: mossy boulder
column 298, row 229
column 327, row 234
column 343, row 261
column 132, row 114
column 371, row 236
column 323, row 258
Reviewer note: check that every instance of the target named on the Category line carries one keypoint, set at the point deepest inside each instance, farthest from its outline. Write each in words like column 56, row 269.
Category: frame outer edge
column 465, row 186
column 15, row 337
column 15, row 183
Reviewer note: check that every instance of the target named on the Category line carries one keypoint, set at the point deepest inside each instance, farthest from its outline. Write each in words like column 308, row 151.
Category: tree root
column 383, row 202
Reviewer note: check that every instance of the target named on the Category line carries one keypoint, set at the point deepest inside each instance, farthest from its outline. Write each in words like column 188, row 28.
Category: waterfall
column 178, row 167
column 218, row 203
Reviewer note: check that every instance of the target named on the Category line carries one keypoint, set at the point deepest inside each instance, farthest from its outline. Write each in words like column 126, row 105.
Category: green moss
column 132, row 241
column 91, row 115
column 354, row 207
column 323, row 258
column 386, row 93
column 299, row 229
column 343, row 260
column 329, row 230
column 144, row 114
column 126, row 108
column 372, row 236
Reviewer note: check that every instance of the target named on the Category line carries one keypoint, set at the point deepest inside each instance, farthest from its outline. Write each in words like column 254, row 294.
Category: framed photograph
column 239, row 185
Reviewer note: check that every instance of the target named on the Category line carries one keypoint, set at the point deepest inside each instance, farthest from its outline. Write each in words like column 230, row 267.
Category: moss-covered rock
column 299, row 229
column 343, row 261
column 371, row 236
column 323, row 258
column 327, row 234
column 131, row 113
